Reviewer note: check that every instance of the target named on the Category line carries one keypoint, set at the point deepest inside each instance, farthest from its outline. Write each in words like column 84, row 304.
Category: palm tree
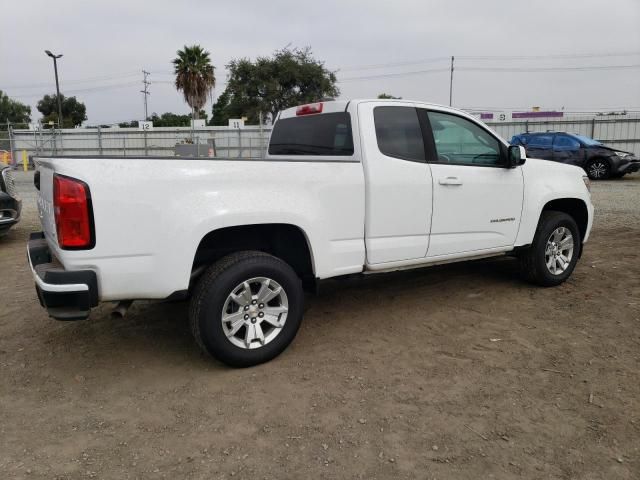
column 194, row 76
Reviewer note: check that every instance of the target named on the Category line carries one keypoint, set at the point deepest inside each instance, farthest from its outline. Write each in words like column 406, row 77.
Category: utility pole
column 451, row 83
column 146, row 93
column 55, row 69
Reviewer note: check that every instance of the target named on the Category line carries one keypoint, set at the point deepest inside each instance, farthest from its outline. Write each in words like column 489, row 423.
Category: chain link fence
column 216, row 142
column 18, row 143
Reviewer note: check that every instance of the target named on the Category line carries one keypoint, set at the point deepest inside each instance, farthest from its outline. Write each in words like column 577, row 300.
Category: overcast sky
column 107, row 44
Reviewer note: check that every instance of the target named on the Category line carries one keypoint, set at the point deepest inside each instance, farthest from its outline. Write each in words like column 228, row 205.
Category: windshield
column 590, row 142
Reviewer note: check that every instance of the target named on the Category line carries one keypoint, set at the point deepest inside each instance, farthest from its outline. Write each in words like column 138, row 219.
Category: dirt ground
column 459, row 371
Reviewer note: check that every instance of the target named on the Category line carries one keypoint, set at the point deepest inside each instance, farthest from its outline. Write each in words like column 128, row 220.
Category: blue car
column 598, row 160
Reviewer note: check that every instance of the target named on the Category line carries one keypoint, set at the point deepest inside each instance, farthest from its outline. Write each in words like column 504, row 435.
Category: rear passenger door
column 566, row 149
column 398, row 182
column 539, row 146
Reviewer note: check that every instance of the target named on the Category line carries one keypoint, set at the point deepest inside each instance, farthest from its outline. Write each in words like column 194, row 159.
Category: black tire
column 598, row 169
column 210, row 295
column 532, row 260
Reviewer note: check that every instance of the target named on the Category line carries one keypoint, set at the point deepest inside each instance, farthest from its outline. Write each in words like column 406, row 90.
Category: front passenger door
column 477, row 202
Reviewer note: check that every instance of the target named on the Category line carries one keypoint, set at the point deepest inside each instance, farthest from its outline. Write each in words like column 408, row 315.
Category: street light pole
column 55, row 69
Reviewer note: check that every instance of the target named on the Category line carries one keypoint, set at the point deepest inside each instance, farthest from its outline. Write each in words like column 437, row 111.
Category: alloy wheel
column 255, row 312
column 559, row 250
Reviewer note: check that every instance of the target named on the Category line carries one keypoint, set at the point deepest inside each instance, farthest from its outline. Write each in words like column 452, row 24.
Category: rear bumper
column 67, row 295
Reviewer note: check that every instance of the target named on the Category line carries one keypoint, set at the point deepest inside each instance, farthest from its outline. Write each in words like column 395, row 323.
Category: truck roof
column 331, row 106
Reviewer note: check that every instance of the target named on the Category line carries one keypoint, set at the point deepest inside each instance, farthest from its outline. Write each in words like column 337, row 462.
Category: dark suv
column 598, row 160
column 10, row 203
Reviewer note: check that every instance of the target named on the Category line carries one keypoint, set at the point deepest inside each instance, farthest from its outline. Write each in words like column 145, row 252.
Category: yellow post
column 25, row 160
column 5, row 158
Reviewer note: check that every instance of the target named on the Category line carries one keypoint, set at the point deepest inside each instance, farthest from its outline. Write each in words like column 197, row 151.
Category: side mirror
column 517, row 155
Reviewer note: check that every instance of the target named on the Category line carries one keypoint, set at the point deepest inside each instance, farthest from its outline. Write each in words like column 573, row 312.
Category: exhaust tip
column 120, row 310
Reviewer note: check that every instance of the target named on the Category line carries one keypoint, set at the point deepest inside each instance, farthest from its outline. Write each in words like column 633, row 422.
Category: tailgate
column 43, row 181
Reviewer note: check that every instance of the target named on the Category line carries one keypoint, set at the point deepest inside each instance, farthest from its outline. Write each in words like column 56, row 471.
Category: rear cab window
column 324, row 134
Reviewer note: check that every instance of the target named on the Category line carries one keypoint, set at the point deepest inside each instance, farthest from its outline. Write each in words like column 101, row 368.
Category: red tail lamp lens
column 72, row 208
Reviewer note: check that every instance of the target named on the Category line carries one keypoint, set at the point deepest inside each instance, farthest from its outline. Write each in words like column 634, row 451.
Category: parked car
column 10, row 203
column 346, row 187
column 598, row 160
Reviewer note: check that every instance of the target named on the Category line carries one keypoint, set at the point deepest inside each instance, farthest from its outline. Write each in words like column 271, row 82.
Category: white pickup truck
column 346, row 187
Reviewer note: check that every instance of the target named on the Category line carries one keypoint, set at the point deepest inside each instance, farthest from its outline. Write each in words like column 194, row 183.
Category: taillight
column 309, row 109
column 72, row 208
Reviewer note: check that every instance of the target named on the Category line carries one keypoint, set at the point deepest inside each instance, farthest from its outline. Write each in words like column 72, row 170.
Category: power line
column 492, row 69
column 391, row 75
column 393, row 64
column 549, row 69
column 422, row 61
column 70, row 82
column 84, row 90
column 555, row 56
column 488, row 57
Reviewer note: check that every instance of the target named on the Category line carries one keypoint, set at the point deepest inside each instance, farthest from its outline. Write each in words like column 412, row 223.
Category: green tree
column 73, row 111
column 271, row 84
column 387, row 96
column 220, row 113
column 12, row 111
column 167, row 119
column 194, row 76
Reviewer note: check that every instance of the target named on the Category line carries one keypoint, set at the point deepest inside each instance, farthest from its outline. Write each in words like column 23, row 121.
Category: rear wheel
column 553, row 255
column 598, row 169
column 246, row 308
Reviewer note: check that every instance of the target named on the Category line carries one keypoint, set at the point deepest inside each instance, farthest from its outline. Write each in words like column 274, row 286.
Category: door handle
column 450, row 181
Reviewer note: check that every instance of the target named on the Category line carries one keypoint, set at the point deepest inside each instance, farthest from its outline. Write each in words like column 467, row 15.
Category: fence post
column 54, row 141
column 146, row 153
column 99, row 140
column 124, row 146
column 10, row 128
column 526, row 126
column 239, row 143
column 261, row 137
column 593, row 127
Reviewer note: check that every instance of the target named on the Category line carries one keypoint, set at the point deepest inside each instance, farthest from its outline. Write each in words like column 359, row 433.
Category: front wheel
column 553, row 255
column 246, row 308
column 598, row 169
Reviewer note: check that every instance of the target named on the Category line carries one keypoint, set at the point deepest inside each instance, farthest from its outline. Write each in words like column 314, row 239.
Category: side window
column 540, row 141
column 565, row 142
column 461, row 141
column 398, row 133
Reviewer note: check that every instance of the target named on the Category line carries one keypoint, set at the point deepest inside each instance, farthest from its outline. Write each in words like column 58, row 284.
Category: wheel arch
column 576, row 208
column 286, row 241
